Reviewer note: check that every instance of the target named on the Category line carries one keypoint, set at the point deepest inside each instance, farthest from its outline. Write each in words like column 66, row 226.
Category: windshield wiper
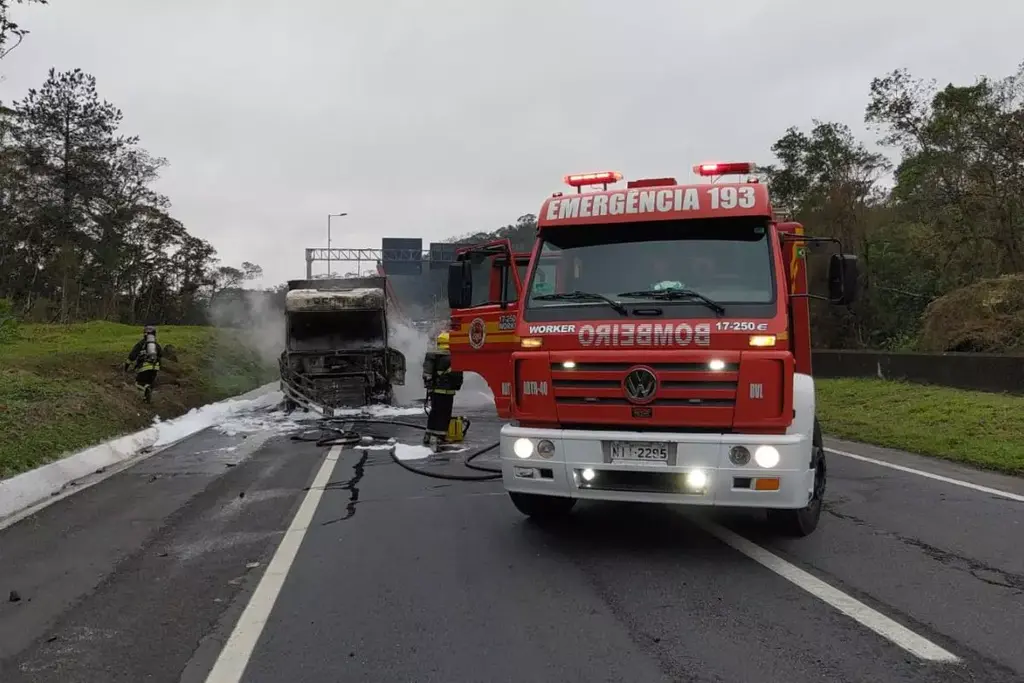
column 676, row 293
column 577, row 295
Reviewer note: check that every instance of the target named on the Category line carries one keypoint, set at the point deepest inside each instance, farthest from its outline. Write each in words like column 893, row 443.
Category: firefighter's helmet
column 442, row 341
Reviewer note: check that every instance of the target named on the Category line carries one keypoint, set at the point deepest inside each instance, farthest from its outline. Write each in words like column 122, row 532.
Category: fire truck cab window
column 728, row 260
column 482, row 282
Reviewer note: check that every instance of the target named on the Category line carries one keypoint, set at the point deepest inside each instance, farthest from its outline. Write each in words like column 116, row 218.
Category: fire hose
column 342, row 432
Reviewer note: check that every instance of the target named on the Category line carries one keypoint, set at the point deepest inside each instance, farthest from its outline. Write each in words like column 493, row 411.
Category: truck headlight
column 766, row 456
column 545, row 448
column 523, row 448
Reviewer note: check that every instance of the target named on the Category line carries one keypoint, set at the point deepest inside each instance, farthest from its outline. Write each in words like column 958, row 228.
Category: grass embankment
column 976, row 428
column 62, row 388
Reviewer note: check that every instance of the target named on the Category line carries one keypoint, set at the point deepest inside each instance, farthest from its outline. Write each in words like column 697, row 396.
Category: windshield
column 336, row 331
column 726, row 261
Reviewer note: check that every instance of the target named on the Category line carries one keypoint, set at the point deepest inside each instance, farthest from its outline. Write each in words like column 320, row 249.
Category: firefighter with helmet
column 441, row 383
column 145, row 359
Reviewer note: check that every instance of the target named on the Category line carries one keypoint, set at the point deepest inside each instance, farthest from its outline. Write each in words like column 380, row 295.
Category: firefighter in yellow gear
column 441, row 383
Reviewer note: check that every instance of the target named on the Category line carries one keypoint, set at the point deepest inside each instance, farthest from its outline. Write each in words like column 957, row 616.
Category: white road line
column 851, row 607
column 233, row 659
column 937, row 477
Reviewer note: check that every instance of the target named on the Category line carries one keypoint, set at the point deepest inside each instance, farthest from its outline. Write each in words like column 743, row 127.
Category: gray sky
column 443, row 117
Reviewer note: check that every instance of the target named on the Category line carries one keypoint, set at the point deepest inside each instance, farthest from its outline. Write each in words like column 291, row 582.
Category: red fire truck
column 657, row 350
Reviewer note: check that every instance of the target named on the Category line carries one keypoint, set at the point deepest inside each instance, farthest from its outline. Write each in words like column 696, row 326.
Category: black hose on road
column 331, row 435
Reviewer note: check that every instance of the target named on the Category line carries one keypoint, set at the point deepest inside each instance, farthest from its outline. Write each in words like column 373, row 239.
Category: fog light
column 739, row 455
column 523, row 448
column 545, row 448
column 569, row 365
column 766, row 456
column 588, row 475
column 696, row 479
column 716, row 365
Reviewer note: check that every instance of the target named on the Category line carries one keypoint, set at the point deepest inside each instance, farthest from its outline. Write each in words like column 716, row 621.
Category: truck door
column 482, row 336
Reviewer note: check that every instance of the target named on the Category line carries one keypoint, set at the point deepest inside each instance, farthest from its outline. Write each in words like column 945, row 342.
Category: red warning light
column 737, row 167
column 587, row 179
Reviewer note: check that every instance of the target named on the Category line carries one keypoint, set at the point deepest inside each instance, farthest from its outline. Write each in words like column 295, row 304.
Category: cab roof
column 656, row 203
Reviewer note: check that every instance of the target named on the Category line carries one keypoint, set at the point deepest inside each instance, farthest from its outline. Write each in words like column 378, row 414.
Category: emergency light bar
column 736, row 167
column 587, row 179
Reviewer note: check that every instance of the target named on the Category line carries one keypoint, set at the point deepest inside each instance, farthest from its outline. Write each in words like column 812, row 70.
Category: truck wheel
column 542, row 508
column 802, row 522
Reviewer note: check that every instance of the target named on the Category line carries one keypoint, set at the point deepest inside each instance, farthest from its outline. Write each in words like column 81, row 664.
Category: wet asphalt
column 400, row 577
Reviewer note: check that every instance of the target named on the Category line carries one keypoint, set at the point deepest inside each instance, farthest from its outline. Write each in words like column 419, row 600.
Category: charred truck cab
column 337, row 351
column 662, row 351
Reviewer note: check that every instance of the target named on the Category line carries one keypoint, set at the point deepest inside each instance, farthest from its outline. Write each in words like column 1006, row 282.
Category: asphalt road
column 144, row 576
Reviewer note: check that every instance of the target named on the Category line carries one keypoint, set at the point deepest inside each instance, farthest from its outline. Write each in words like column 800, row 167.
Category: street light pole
column 329, row 217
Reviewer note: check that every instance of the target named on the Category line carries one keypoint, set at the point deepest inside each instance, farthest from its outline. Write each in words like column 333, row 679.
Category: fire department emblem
column 477, row 333
column 640, row 385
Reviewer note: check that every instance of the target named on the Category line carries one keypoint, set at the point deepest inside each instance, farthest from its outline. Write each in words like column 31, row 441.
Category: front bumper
column 786, row 485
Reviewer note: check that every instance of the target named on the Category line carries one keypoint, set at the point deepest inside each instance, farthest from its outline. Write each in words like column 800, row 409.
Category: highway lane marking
column 896, row 633
column 231, row 663
column 937, row 477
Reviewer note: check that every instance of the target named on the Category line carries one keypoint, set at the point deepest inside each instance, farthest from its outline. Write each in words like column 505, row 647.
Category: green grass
column 62, row 387
column 980, row 429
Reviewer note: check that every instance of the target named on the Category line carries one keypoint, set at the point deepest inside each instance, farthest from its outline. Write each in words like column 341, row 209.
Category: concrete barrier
column 978, row 371
column 31, row 489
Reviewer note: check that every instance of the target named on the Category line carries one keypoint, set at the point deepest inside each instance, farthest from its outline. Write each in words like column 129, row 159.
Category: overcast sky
column 435, row 118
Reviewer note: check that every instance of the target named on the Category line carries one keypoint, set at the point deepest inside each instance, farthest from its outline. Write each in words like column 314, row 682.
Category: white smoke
column 262, row 321
column 474, row 393
column 414, row 344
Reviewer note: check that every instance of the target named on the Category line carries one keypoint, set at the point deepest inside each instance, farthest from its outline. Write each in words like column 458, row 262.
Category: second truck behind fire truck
column 658, row 350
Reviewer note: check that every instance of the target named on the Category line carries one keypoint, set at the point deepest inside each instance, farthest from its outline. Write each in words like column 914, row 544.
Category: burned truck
column 337, row 351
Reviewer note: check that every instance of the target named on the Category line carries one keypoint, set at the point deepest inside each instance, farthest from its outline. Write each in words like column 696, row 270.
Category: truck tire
column 542, row 508
column 803, row 521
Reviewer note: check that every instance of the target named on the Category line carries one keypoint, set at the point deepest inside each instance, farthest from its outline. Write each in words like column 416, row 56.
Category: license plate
column 643, row 451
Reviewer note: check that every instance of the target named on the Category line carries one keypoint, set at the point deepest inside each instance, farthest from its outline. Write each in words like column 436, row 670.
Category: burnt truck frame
column 337, row 344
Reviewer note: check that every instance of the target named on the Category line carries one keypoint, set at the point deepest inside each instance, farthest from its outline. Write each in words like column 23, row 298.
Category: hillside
column 62, row 388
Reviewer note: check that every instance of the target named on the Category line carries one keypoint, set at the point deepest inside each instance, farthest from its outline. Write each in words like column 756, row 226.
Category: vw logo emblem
column 640, row 385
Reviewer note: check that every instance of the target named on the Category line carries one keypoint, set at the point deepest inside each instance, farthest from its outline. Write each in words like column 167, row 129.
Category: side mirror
column 842, row 279
column 460, row 285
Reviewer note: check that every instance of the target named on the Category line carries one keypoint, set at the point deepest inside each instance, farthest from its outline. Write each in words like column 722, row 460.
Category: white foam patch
column 380, row 411
column 275, row 422
column 404, row 451
column 198, row 419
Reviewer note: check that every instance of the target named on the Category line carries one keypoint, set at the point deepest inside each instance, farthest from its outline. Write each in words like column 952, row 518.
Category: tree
column 70, row 142
column 829, row 181
column 83, row 232
column 521, row 234
column 11, row 34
